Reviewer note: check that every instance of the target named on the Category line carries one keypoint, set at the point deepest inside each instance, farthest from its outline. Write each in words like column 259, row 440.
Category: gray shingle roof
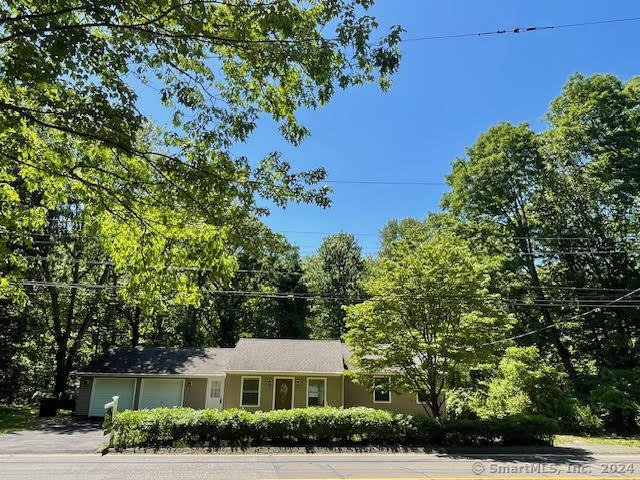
column 162, row 361
column 294, row 356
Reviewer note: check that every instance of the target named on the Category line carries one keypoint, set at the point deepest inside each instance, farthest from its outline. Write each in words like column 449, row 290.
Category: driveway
column 70, row 435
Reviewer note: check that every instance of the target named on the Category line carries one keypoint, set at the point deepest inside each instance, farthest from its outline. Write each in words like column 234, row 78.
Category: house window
column 316, row 392
column 250, row 396
column 381, row 393
column 216, row 387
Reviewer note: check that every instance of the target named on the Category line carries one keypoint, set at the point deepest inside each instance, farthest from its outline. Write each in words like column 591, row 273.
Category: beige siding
column 232, row 389
column 334, row 391
column 234, row 382
column 195, row 392
column 403, row 402
column 84, row 396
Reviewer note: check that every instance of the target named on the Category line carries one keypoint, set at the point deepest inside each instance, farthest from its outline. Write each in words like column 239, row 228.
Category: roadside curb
column 483, row 451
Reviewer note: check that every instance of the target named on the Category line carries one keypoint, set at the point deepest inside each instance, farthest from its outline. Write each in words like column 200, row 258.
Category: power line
column 546, row 252
column 568, row 238
column 575, row 252
column 585, row 290
column 635, row 303
column 518, row 30
column 570, row 319
column 164, row 267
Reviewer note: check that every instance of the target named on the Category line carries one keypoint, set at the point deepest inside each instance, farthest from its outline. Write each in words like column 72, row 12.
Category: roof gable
column 287, row 356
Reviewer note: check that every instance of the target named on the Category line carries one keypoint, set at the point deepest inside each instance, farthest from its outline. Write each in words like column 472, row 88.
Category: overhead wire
column 163, row 267
column 569, row 319
column 519, row 30
column 573, row 303
column 585, row 293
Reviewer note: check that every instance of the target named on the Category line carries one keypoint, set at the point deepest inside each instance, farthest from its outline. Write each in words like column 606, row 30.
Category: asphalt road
column 317, row 466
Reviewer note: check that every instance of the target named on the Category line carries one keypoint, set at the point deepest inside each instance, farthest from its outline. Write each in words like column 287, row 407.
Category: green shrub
column 522, row 385
column 615, row 398
column 321, row 427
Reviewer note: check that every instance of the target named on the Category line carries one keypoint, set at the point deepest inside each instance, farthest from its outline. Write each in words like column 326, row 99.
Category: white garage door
column 103, row 389
column 160, row 392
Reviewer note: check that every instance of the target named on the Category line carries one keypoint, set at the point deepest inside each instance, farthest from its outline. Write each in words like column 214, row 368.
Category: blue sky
column 446, row 93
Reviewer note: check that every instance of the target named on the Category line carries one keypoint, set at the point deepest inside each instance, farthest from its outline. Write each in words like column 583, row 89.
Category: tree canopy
column 71, row 120
column 107, row 218
column 560, row 207
column 334, row 275
column 430, row 316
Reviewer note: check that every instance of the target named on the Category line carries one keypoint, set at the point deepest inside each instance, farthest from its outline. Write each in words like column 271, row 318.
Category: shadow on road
column 557, row 455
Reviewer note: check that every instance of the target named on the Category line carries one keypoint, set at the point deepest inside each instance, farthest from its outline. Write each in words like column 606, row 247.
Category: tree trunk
column 552, row 331
column 61, row 375
column 66, row 355
column 434, row 396
column 134, row 324
column 434, row 405
column 525, row 234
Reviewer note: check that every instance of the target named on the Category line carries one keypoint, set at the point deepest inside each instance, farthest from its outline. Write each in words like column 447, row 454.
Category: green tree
column 523, row 382
column 143, row 206
column 268, row 269
column 593, row 145
column 398, row 230
column 334, row 275
column 561, row 209
column 430, row 316
column 496, row 189
column 70, row 109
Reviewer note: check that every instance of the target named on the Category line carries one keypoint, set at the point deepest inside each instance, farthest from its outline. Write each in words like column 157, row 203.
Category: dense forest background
column 556, row 212
column 114, row 232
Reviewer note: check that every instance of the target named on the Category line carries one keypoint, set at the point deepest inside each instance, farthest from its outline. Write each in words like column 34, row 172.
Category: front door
column 283, row 393
column 215, row 392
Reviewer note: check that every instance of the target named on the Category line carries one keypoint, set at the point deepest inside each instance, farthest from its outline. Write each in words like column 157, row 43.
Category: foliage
column 523, row 384
column 163, row 428
column 218, row 66
column 335, row 273
column 429, row 317
column 273, row 269
column 29, row 344
column 615, row 396
column 560, row 210
column 91, row 192
column 495, row 191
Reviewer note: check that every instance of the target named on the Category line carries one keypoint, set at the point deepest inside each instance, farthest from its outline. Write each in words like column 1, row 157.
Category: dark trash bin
column 48, row 406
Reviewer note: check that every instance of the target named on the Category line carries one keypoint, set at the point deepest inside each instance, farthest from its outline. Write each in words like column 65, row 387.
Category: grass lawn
column 17, row 418
column 624, row 442
column 13, row 418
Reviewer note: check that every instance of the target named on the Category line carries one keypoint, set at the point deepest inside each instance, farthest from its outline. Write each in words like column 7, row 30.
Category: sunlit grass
column 14, row 418
column 621, row 441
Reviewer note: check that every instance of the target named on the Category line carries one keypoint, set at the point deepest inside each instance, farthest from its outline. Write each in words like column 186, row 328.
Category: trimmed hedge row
column 318, row 427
